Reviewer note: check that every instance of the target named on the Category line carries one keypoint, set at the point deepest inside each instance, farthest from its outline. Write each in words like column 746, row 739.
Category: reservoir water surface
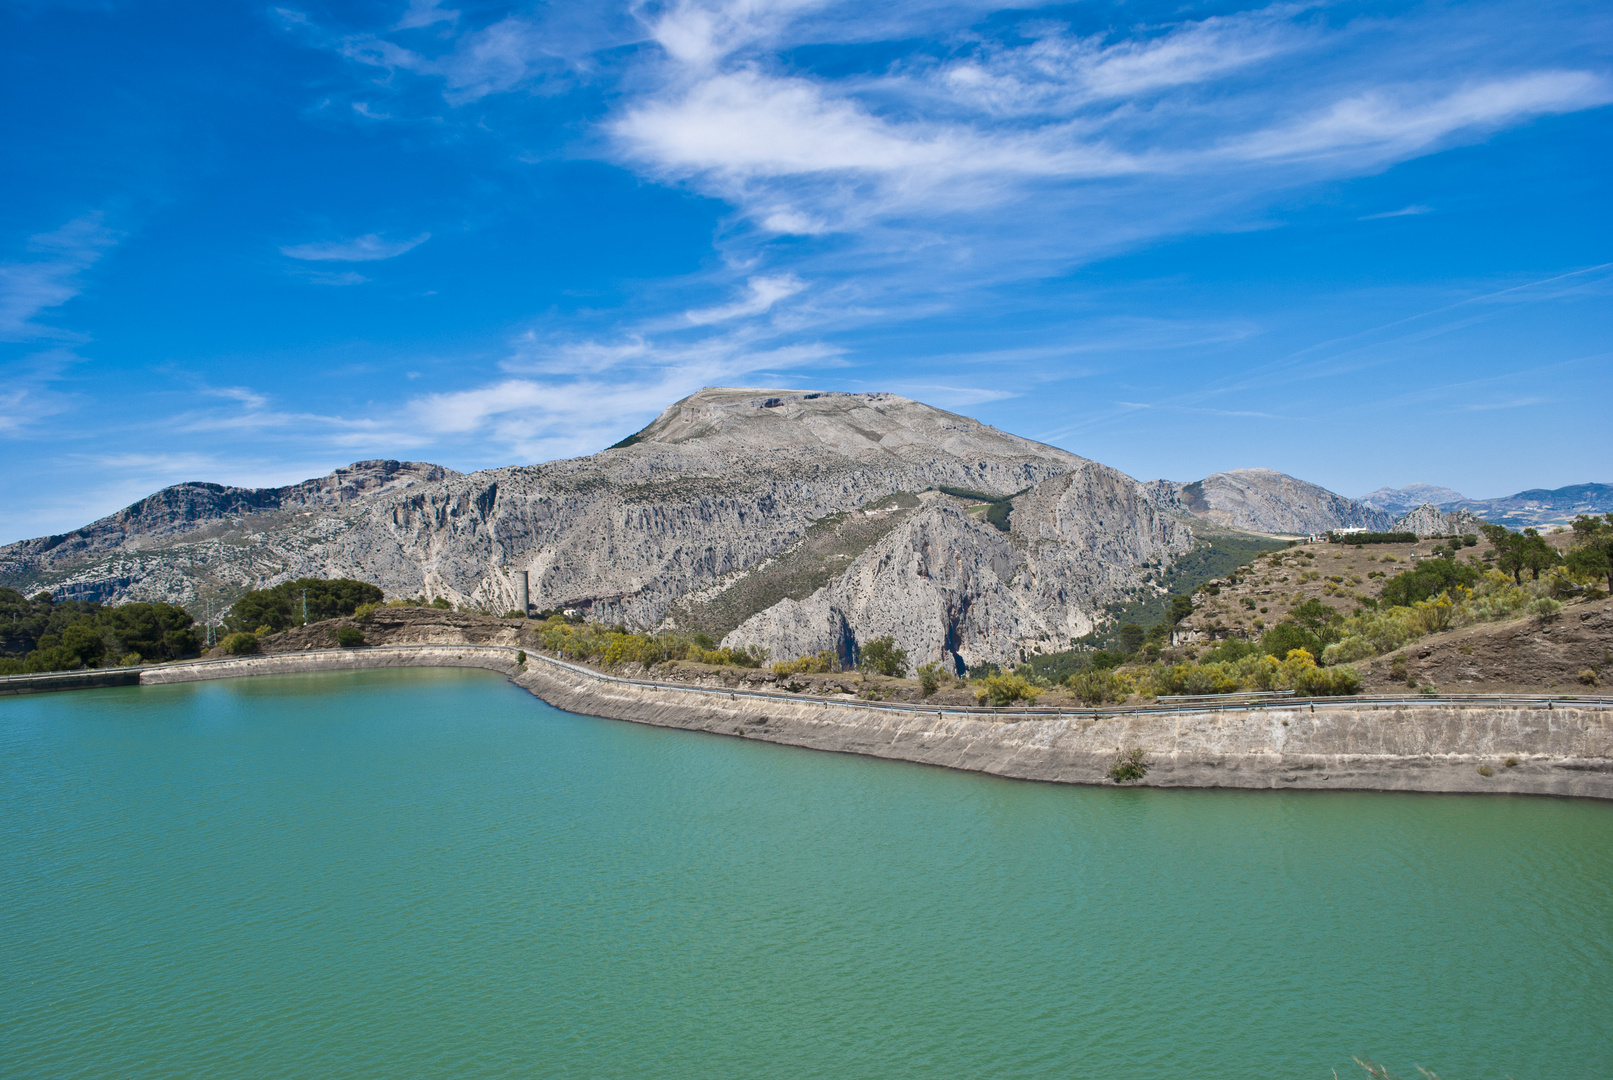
column 433, row 874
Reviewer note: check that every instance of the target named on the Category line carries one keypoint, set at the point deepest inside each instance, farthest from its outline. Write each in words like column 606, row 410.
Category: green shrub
column 363, row 612
column 821, row 664
column 241, row 644
column 1000, row 690
column 51, row 658
column 881, row 655
column 1098, row 687
column 1285, row 637
column 1129, row 765
column 1327, row 681
column 1213, row 678
column 929, row 678
column 520, row 656
column 1432, row 577
column 1350, row 648
column 1545, row 608
column 349, row 637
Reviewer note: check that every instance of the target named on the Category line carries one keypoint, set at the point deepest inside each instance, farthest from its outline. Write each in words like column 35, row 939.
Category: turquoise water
column 432, row 874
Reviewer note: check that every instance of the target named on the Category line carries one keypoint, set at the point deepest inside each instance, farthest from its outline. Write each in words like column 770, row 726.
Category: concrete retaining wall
column 1558, row 750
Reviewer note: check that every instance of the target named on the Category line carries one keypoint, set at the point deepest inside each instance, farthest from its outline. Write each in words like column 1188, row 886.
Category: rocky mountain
column 1267, row 501
column 949, row 588
column 198, row 542
column 1430, row 520
column 732, row 502
column 1401, row 500
column 795, row 521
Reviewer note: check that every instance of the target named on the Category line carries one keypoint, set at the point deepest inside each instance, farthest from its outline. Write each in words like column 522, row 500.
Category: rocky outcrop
column 1267, row 501
column 1430, row 520
column 952, row 589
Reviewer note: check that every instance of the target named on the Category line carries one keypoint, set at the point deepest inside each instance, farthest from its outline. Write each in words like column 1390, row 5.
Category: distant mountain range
column 791, row 520
column 1399, row 500
column 1536, row 507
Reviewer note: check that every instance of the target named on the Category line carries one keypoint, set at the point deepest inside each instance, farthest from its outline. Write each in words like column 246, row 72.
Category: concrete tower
column 521, row 601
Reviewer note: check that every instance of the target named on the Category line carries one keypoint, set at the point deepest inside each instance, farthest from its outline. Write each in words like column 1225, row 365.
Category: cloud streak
column 30, row 287
column 371, row 247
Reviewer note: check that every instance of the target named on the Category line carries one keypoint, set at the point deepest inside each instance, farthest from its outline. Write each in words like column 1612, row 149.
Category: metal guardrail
column 1247, row 695
column 1226, row 703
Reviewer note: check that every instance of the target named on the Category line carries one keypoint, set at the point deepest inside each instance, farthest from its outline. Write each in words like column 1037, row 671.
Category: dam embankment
column 1536, row 748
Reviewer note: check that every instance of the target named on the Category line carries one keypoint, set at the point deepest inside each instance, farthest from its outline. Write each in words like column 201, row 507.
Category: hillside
column 722, row 487
column 1400, row 500
column 792, row 521
column 1540, row 507
column 1522, row 653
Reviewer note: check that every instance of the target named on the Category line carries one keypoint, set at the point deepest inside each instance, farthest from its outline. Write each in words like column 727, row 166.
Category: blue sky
column 1365, row 244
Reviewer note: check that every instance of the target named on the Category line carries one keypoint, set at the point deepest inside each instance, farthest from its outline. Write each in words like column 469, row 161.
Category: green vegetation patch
column 292, row 603
column 1374, row 538
column 998, row 507
column 1214, row 556
column 611, row 646
column 43, row 634
column 830, row 545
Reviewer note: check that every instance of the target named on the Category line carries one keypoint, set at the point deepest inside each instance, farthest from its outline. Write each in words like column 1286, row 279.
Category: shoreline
column 1561, row 749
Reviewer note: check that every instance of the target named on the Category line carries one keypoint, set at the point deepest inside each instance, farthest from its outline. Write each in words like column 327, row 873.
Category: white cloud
column 1398, row 121
column 764, row 293
column 1405, row 211
column 367, row 248
column 510, row 53
column 28, row 288
column 425, row 13
column 1058, row 74
column 568, row 413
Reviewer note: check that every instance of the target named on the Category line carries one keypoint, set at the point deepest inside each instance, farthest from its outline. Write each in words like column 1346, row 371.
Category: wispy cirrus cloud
column 52, row 278
column 763, row 292
column 574, row 401
column 370, row 247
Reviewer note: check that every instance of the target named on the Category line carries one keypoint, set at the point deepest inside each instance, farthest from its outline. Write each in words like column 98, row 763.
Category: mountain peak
column 857, row 426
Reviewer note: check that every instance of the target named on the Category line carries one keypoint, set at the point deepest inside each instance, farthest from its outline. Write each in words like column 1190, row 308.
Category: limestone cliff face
column 197, row 541
column 720, row 486
column 953, row 589
column 720, row 481
column 1430, row 520
column 1267, row 501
